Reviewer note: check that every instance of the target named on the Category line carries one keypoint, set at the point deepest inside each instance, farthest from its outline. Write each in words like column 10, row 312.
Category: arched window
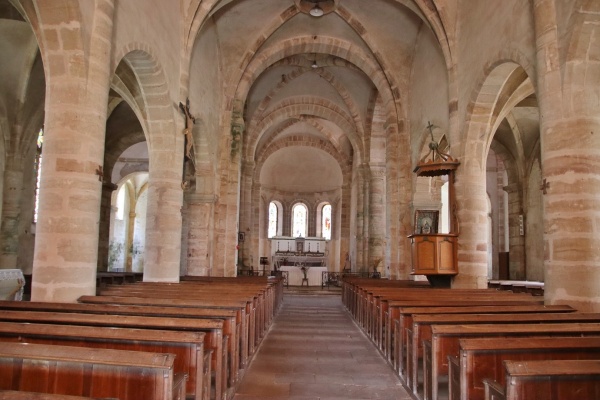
column 272, row 231
column 299, row 220
column 326, row 222
column 121, row 203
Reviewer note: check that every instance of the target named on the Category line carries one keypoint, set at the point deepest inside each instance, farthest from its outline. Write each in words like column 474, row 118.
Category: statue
column 190, row 120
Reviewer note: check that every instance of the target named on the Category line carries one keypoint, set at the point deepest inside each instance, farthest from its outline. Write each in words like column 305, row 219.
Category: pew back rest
column 554, row 379
column 186, row 346
column 127, row 375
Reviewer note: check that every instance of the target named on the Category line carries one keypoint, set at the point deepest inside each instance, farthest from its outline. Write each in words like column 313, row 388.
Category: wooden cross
column 100, row 173
column 545, row 186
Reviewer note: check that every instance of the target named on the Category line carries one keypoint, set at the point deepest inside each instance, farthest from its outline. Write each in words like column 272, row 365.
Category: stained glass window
column 299, row 219
column 326, row 220
column 272, row 220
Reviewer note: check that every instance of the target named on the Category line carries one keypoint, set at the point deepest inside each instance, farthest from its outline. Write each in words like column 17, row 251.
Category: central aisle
column 314, row 351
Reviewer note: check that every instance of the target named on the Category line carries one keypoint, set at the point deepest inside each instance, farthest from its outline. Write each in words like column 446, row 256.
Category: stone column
column 11, row 211
column 472, row 204
column 253, row 235
column 247, row 205
column 105, row 223
column 200, row 209
column 516, row 241
column 362, row 207
column 66, row 245
column 343, row 209
column 570, row 138
column 287, row 219
column 377, row 223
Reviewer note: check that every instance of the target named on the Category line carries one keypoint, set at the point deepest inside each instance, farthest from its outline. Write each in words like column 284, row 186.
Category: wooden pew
column 188, row 347
column 243, row 311
column 481, row 359
column 422, row 324
column 398, row 336
column 208, row 295
column 403, row 319
column 213, row 329
column 376, row 306
column 372, row 302
column 22, row 395
column 445, row 342
column 549, row 380
column 231, row 320
column 126, row 375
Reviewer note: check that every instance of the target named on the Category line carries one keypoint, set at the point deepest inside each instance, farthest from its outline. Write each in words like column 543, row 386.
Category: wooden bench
column 548, row 380
column 445, row 342
column 126, row 375
column 481, row 359
column 244, row 311
column 402, row 318
column 231, row 320
column 188, row 347
column 213, row 329
column 422, row 324
column 253, row 303
column 22, row 395
column 375, row 309
column 398, row 334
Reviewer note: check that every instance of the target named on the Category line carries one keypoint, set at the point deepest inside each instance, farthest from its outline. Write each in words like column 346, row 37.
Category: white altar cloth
column 295, row 275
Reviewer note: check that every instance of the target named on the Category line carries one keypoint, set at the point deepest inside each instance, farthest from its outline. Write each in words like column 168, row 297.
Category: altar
column 295, row 275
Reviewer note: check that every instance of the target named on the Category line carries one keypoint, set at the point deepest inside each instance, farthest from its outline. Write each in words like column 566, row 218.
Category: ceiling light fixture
column 316, row 11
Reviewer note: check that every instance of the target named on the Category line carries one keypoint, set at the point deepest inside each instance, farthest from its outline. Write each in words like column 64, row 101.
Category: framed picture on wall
column 426, row 221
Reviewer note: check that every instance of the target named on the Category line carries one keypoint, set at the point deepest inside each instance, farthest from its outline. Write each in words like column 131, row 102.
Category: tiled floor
column 315, row 351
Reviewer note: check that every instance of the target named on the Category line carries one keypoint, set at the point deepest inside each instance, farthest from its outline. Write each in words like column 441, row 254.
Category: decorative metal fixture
column 439, row 163
column 316, row 8
column 316, row 11
column 314, row 63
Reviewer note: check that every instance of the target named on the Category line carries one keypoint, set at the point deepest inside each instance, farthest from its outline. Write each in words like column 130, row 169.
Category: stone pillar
column 343, row 209
column 66, row 245
column 247, row 205
column 253, row 235
column 200, row 209
column 516, row 241
column 105, row 224
column 570, row 138
column 377, row 223
column 472, row 204
column 11, row 211
column 362, row 207
column 287, row 219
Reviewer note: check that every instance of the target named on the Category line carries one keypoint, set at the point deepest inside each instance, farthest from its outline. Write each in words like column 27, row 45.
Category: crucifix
column 190, row 120
column 545, row 186
column 100, row 172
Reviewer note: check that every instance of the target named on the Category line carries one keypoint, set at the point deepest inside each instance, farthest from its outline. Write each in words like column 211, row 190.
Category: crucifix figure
column 545, row 186
column 190, row 120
